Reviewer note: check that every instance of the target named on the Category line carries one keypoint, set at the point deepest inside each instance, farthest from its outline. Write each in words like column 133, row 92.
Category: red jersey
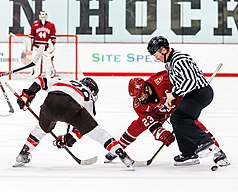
column 155, row 107
column 42, row 33
column 152, row 113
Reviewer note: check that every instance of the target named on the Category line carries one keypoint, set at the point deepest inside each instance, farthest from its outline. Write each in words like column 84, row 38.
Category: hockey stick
column 33, row 63
column 79, row 161
column 148, row 162
column 16, row 70
column 11, row 111
column 215, row 72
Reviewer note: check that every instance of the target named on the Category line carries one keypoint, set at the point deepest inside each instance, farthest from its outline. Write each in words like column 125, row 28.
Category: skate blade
column 187, row 163
column 131, row 168
column 107, row 161
column 223, row 163
column 18, row 164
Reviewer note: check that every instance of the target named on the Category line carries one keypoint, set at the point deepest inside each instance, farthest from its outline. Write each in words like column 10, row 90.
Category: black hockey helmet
column 91, row 84
column 156, row 43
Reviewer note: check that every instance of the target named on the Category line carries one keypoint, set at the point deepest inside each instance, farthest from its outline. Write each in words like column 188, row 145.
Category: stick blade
column 89, row 161
column 140, row 164
column 6, row 115
column 39, row 54
column 11, row 111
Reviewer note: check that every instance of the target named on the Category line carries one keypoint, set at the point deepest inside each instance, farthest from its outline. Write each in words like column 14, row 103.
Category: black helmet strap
column 164, row 54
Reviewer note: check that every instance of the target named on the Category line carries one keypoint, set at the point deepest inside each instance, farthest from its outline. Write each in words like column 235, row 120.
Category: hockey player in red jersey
column 148, row 102
column 67, row 101
column 43, row 33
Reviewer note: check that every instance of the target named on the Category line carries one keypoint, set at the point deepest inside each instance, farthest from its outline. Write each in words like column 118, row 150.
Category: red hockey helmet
column 136, row 87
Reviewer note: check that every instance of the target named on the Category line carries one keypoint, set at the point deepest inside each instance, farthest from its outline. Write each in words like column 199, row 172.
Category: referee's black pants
column 188, row 135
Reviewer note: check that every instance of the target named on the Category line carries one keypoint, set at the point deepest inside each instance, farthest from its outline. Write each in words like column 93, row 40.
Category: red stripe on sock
column 32, row 142
column 111, row 145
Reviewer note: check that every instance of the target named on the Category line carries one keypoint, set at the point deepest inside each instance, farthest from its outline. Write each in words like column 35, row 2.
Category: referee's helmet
column 156, row 43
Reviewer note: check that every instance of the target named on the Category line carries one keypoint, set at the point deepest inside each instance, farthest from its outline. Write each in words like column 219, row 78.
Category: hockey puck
column 214, row 167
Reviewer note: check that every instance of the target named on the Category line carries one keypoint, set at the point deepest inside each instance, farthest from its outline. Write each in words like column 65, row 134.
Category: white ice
column 52, row 169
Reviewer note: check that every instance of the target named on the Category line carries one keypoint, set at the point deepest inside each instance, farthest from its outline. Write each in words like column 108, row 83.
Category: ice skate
column 125, row 158
column 204, row 149
column 109, row 158
column 181, row 160
column 23, row 157
column 21, row 160
column 221, row 159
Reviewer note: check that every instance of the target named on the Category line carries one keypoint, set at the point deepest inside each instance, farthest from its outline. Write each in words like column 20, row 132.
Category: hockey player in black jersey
column 67, row 101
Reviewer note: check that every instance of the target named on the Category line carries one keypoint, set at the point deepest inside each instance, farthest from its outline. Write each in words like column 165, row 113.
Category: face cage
column 43, row 17
column 93, row 97
column 144, row 96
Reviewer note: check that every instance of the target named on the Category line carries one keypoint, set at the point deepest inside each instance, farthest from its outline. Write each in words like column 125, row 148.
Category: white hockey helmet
column 43, row 16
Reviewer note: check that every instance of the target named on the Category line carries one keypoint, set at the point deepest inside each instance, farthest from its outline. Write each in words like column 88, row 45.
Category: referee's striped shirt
column 184, row 74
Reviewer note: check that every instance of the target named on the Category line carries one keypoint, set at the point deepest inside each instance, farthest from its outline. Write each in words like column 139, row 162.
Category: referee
column 188, row 81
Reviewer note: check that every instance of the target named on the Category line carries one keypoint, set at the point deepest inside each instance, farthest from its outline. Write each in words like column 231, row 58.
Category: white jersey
column 79, row 92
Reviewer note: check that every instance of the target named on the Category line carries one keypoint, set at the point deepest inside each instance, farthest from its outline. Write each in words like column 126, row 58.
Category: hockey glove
column 164, row 136
column 63, row 141
column 26, row 98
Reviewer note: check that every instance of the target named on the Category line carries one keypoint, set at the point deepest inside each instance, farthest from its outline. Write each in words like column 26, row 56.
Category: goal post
column 65, row 55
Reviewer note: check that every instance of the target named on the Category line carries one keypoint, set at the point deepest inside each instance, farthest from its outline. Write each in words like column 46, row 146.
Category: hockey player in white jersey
column 67, row 101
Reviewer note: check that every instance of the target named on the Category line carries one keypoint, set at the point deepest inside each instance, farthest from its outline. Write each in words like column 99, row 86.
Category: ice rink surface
column 52, row 169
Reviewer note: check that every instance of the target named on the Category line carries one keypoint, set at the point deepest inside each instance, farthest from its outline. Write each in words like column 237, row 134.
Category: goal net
column 65, row 58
